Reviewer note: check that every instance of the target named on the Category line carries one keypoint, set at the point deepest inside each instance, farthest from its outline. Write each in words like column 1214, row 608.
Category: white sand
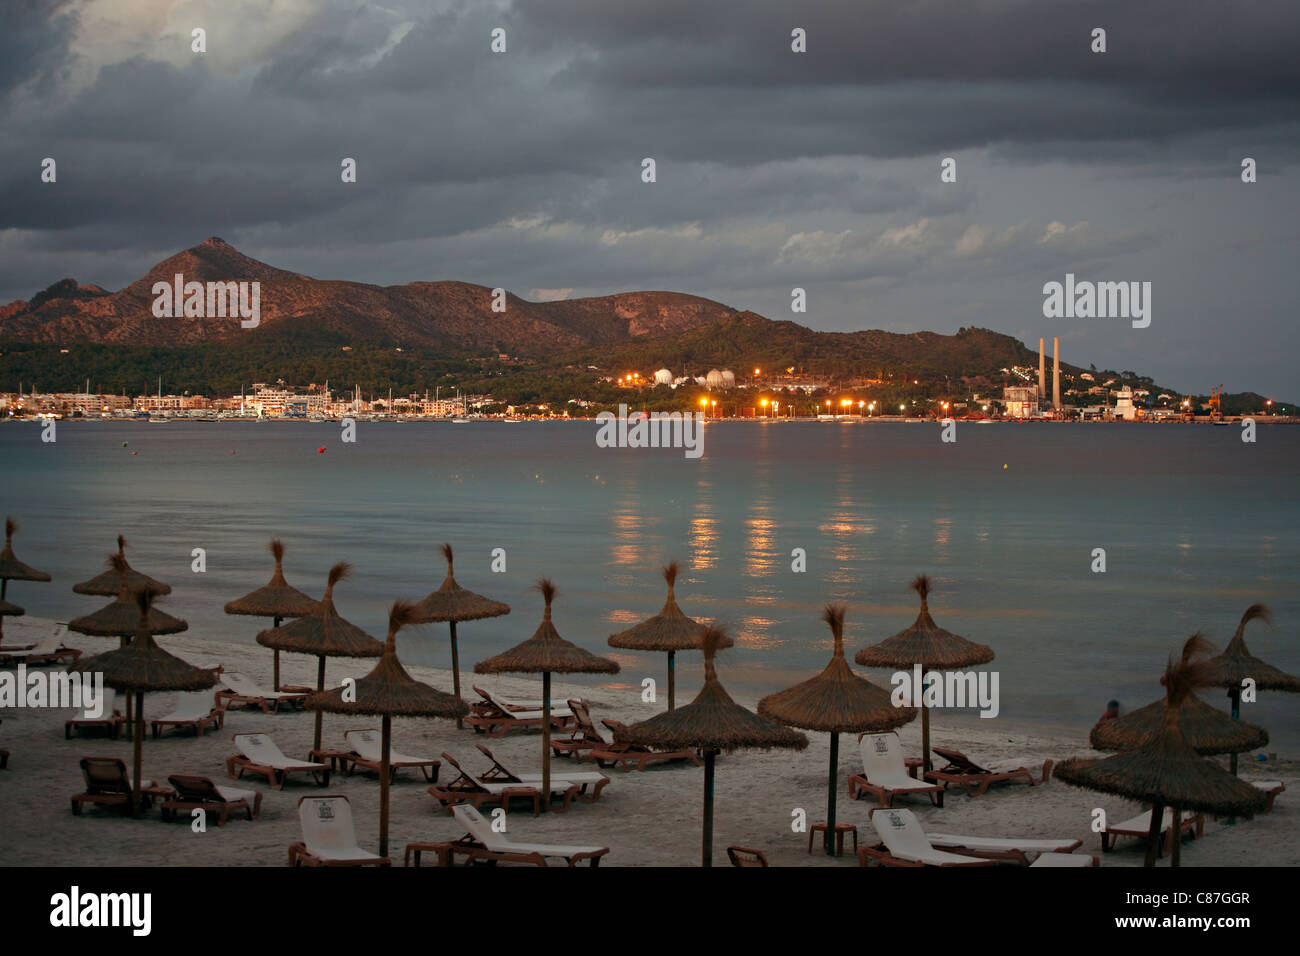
column 647, row 819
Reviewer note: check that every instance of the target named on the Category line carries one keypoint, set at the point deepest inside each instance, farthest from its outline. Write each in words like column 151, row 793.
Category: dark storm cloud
column 774, row 168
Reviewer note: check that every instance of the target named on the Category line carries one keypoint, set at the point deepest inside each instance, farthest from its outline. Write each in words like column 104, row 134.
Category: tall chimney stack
column 1042, row 372
column 1056, row 373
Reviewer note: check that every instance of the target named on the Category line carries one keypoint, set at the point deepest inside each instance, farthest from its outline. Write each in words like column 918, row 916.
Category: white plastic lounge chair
column 195, row 709
column 259, row 754
column 884, row 774
column 328, row 837
column 1140, row 826
column 560, row 779
column 1065, row 859
column 467, row 788
column 368, row 751
column 497, row 716
column 482, row 843
column 111, row 719
column 903, row 843
column 240, row 690
column 200, row 793
column 49, row 650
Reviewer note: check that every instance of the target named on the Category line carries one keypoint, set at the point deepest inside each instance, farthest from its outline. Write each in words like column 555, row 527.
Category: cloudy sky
column 775, row 169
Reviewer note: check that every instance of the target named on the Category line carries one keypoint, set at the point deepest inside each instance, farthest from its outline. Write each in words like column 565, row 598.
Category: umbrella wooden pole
column 672, row 679
column 383, row 784
column 276, row 683
column 137, row 782
column 546, row 740
column 829, row 841
column 1176, row 852
column 320, row 686
column 1153, row 833
column 455, row 671
column 925, row 736
column 706, row 850
column 130, row 701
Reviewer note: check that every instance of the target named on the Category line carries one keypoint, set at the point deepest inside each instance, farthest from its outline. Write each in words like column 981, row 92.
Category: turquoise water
column 1196, row 526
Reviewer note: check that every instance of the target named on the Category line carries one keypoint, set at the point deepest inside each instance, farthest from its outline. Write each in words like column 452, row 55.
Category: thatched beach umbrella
column 9, row 609
column 120, row 618
column 929, row 645
column 324, row 634
column 386, row 692
column 712, row 722
column 276, row 600
column 836, row 701
column 670, row 630
column 11, row 569
column 109, row 583
column 1165, row 770
column 546, row 653
column 1236, row 663
column 1208, row 729
column 453, row 603
column 140, row 666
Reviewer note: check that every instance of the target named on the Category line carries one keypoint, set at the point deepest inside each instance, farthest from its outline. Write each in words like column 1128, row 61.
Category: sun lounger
column 197, row 709
column 961, row 771
column 496, row 717
column 503, row 700
column 884, row 774
column 259, row 754
column 238, row 689
column 200, row 793
column 108, row 783
column 741, row 856
column 367, row 752
column 1013, row 851
column 904, row 843
column 561, row 783
column 49, row 650
column 111, row 719
column 625, row 755
column 483, row 844
column 585, row 736
column 1140, row 826
column 466, row 788
column 328, row 837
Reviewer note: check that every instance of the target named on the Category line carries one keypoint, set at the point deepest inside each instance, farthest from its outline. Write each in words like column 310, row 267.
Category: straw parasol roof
column 11, row 569
column 713, row 721
column 925, row 643
column 837, row 700
column 122, row 616
column 109, row 583
column 546, row 651
column 1165, row 770
column 389, row 689
column 1208, row 729
column 451, row 602
column 1236, row 663
column 669, row 630
column 276, row 598
column 322, row 632
column 11, row 609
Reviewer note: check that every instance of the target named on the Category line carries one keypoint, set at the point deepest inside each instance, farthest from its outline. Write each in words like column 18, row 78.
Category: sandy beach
column 650, row 818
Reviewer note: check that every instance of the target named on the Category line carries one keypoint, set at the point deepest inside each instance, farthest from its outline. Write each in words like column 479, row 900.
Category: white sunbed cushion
column 1267, row 784
column 903, row 837
column 1142, row 822
column 369, row 745
column 194, row 705
column 233, row 794
column 482, row 831
column 989, row 843
column 882, row 763
column 327, row 829
column 244, row 687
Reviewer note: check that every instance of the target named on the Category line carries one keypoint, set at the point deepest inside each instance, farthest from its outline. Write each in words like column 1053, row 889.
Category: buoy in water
column 135, row 453
column 1004, row 466
column 123, row 444
column 320, row 450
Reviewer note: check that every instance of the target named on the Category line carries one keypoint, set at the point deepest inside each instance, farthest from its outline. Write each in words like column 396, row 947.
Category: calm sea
column 1196, row 525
